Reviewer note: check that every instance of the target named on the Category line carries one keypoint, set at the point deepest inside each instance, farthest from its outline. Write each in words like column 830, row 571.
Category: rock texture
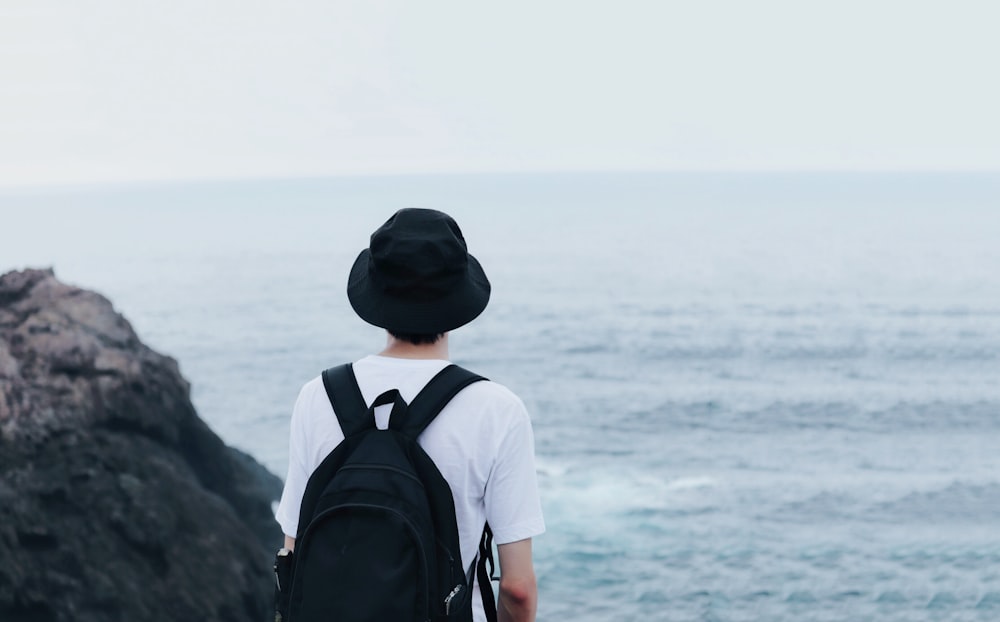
column 116, row 501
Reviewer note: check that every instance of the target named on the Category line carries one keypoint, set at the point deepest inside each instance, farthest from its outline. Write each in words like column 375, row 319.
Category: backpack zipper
column 380, row 467
column 449, row 597
column 458, row 588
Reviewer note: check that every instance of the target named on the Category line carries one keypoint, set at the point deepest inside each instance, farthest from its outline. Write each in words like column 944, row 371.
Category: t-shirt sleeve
column 513, row 507
column 298, row 473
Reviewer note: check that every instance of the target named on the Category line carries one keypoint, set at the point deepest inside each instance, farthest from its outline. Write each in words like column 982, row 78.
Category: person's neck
column 397, row 348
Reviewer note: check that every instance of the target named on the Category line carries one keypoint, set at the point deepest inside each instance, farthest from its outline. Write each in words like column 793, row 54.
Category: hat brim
column 458, row 307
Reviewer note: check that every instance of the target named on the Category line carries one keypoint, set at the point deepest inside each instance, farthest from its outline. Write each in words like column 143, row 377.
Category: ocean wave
column 892, row 597
column 943, row 600
column 989, row 600
column 826, row 415
column 958, row 502
column 824, row 507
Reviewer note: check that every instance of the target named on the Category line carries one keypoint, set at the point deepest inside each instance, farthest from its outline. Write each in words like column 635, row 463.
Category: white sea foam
column 692, row 483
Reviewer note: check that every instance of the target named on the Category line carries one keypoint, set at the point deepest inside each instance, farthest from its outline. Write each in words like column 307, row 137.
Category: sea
column 756, row 396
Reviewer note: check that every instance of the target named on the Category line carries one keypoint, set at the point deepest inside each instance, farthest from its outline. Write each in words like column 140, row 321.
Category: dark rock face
column 116, row 501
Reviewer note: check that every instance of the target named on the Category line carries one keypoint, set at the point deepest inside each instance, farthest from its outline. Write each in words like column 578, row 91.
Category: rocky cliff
column 116, row 501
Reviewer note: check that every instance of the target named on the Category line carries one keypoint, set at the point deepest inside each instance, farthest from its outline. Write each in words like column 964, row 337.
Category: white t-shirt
column 481, row 442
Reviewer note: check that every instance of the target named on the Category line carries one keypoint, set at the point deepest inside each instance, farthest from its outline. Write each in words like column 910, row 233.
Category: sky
column 116, row 90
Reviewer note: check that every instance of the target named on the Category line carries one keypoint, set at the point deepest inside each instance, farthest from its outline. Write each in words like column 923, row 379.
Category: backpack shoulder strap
column 345, row 396
column 432, row 398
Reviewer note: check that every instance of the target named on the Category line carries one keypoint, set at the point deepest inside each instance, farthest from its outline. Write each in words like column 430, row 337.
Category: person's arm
column 518, row 590
column 289, row 543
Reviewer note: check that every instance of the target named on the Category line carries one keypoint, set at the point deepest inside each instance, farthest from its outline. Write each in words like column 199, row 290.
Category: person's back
column 418, row 282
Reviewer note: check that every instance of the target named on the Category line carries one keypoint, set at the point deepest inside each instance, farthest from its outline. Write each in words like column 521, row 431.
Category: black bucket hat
column 417, row 276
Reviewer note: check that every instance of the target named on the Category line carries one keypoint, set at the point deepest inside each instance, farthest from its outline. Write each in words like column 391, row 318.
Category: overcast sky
column 134, row 90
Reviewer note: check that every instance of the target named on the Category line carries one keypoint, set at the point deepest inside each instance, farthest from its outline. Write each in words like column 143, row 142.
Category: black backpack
column 377, row 539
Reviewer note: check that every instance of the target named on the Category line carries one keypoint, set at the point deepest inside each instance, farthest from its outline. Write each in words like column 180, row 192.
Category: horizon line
column 224, row 179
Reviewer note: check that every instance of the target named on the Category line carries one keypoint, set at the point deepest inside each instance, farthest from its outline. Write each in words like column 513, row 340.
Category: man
column 418, row 281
